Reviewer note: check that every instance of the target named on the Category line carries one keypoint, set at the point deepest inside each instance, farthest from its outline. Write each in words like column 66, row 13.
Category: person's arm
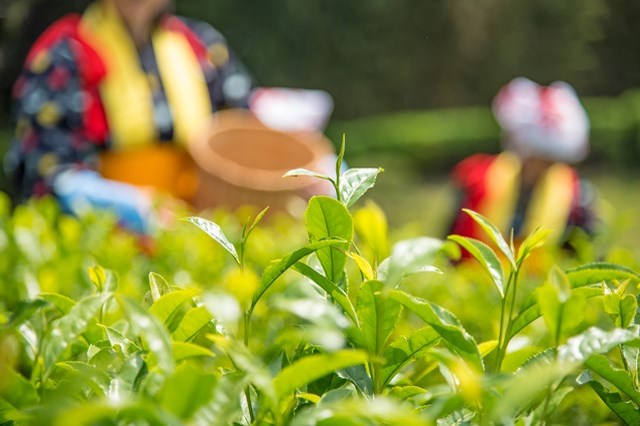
column 52, row 152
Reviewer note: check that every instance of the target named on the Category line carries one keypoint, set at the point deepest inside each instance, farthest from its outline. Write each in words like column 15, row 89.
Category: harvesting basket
column 240, row 162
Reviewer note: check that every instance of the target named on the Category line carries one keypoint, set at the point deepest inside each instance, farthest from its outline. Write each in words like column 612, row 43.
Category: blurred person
column 107, row 101
column 531, row 183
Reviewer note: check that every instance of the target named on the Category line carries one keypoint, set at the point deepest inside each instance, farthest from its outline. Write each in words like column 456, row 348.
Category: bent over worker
column 107, row 101
column 531, row 183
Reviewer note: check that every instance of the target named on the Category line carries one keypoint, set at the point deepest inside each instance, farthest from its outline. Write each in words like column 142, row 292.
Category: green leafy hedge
column 321, row 320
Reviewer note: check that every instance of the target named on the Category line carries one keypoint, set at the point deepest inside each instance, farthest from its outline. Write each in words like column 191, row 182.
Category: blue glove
column 78, row 189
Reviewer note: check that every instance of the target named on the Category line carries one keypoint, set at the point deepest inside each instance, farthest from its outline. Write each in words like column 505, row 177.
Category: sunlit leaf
column 377, row 315
column 445, row 324
column 193, row 321
column 404, row 350
column 624, row 409
column 364, row 266
column 617, row 377
column 493, row 233
column 312, row 367
column 214, row 231
column 16, row 389
column 165, row 307
column 153, row 334
column 273, row 272
column 60, row 301
column 187, row 390
column 486, row 257
column 184, row 350
column 158, row 285
column 65, row 330
column 594, row 273
column 337, row 294
column 371, row 227
column 305, row 172
column 408, row 257
column 327, row 218
column 355, row 182
column 532, row 242
column 82, row 372
column 622, row 310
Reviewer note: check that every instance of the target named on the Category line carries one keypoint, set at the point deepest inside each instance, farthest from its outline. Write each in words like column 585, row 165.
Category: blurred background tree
column 379, row 56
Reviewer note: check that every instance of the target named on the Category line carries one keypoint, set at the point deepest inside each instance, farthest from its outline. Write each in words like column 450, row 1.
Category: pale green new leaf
column 493, row 233
column 594, row 273
column 532, row 242
column 193, row 321
column 328, row 218
column 622, row 310
column 184, row 350
column 165, row 307
column 445, row 324
column 355, row 182
column 595, row 341
column 486, row 257
column 213, row 230
column 310, row 368
column 60, row 301
column 65, row 330
column 306, row 172
column 104, row 280
column 158, row 285
column 273, row 272
column 152, row 333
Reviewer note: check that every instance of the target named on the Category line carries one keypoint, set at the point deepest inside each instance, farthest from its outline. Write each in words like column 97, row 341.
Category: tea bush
column 325, row 320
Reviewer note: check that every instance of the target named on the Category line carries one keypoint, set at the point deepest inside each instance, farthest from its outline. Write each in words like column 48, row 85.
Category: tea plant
column 328, row 331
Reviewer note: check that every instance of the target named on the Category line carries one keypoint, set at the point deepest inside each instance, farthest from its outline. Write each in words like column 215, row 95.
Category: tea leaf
column 408, row 257
column 402, row 351
column 273, row 272
column 65, row 330
column 371, row 226
column 328, row 218
column 153, row 334
column 530, row 311
column 306, row 172
column 16, row 389
column 359, row 376
column 24, row 311
column 158, row 285
column 377, row 314
column 355, row 182
column 595, row 341
column 184, row 350
column 622, row 408
column 363, row 265
column 532, row 242
column 193, row 321
column 187, row 390
column 494, row 234
column 444, row 323
column 312, row 367
column 486, row 257
column 165, row 307
column 223, row 407
column 619, row 378
column 594, row 273
column 214, row 231
column 622, row 310
column 60, row 301
column 97, row 379
column 108, row 412
column 328, row 286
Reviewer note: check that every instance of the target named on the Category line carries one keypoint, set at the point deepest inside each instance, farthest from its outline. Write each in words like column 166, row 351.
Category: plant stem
column 247, row 391
column 502, row 336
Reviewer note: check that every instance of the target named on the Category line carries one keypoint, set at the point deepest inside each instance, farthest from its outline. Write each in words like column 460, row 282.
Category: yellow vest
column 135, row 156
